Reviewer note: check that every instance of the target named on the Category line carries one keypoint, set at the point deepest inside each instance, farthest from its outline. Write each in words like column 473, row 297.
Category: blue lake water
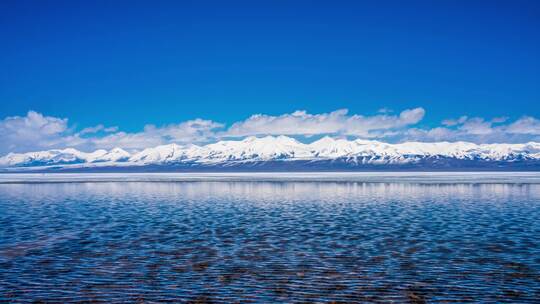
column 268, row 241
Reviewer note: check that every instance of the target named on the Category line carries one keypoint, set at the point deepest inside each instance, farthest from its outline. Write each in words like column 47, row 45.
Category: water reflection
column 270, row 242
column 257, row 191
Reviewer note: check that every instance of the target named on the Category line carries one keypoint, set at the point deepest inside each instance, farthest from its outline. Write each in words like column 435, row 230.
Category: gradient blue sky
column 133, row 63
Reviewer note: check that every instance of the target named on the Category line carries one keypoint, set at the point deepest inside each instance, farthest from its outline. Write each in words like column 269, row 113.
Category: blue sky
column 132, row 64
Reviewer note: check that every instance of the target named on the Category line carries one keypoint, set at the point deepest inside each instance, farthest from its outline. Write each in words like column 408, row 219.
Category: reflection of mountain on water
column 277, row 191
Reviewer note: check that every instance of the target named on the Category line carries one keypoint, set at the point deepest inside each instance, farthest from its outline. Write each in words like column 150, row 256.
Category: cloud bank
column 479, row 130
column 36, row 131
column 336, row 122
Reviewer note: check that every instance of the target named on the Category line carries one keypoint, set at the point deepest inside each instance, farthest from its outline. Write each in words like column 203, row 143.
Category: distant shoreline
column 347, row 177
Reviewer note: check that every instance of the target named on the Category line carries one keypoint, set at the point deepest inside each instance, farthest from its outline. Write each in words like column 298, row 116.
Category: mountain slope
column 287, row 153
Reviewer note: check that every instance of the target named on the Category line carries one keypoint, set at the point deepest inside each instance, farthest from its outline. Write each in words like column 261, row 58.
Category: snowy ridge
column 278, row 149
column 65, row 156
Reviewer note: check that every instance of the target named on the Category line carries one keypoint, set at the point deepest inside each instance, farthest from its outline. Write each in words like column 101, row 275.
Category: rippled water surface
column 269, row 241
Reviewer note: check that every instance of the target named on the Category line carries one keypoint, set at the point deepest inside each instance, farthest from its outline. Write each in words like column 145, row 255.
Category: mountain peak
column 268, row 149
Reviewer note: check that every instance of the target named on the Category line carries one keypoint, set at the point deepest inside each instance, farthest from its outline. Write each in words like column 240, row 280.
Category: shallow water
column 269, row 241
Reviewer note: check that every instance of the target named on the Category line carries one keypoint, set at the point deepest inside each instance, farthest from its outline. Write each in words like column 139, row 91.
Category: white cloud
column 34, row 122
column 192, row 131
column 480, row 130
column 22, row 133
column 476, row 126
column 525, row 125
column 453, row 122
column 500, row 119
column 98, row 128
column 36, row 131
column 337, row 122
column 385, row 110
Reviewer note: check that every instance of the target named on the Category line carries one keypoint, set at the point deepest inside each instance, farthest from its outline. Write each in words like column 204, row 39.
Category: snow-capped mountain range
column 285, row 153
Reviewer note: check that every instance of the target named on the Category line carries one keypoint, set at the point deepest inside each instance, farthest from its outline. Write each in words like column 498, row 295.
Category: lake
column 267, row 238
